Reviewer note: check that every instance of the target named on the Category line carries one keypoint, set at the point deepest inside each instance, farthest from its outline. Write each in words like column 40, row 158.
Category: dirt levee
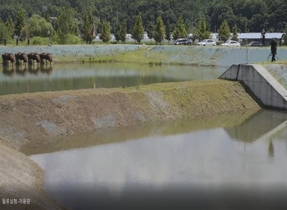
column 26, row 118
column 21, row 178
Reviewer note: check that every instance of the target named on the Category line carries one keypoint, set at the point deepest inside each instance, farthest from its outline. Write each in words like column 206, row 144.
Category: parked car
column 207, row 42
column 255, row 44
column 231, row 43
column 184, row 41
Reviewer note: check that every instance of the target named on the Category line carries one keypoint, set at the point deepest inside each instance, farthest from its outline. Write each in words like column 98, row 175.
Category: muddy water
column 215, row 163
column 81, row 76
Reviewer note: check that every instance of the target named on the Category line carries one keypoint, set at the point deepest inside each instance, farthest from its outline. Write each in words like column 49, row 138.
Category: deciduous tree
column 167, row 31
column 64, row 23
column 10, row 26
column 88, row 24
column 4, row 32
column 117, row 31
column 123, row 31
column 38, row 26
column 20, row 21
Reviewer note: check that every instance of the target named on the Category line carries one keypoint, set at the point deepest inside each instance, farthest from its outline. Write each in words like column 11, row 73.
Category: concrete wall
column 261, row 83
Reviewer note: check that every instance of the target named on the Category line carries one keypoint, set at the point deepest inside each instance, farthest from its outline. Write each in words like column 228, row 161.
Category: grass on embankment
column 141, row 56
column 152, row 55
column 71, row 112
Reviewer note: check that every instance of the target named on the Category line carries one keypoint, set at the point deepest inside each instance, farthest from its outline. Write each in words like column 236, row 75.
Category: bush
column 219, row 42
column 37, row 40
column 73, row 39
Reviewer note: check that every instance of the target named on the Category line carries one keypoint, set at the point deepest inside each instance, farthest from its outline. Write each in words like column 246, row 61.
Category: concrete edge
column 260, row 82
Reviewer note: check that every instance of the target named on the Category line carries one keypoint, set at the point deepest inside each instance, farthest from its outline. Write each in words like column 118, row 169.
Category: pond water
column 223, row 162
column 81, row 76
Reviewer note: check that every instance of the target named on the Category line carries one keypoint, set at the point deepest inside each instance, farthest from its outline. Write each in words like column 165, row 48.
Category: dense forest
column 247, row 15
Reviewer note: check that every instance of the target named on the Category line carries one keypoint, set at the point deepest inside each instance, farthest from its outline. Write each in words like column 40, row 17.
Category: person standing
column 273, row 49
column 263, row 33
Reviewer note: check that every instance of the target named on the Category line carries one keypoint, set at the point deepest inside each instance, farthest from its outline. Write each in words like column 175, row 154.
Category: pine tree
column 201, row 32
column 123, row 31
column 159, row 31
column 235, row 33
column 105, row 32
column 224, row 31
column 179, row 31
column 138, row 30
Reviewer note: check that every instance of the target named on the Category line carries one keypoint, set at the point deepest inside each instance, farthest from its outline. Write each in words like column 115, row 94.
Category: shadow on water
column 256, row 125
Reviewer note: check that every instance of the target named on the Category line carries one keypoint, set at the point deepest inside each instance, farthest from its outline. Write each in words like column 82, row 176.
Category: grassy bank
column 153, row 54
column 29, row 117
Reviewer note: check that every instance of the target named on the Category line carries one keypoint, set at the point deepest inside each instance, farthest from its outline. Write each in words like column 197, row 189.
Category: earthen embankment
column 26, row 118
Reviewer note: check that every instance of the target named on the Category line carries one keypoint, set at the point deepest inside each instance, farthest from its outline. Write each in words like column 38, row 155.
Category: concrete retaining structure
column 267, row 90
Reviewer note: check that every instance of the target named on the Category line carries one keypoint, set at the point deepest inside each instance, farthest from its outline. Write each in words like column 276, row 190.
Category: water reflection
column 9, row 71
column 21, row 70
column 47, row 69
column 135, row 132
column 34, row 69
column 271, row 149
column 256, row 125
column 81, row 76
column 169, row 166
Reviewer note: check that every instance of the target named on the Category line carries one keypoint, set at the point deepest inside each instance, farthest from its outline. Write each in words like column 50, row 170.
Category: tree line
column 70, row 21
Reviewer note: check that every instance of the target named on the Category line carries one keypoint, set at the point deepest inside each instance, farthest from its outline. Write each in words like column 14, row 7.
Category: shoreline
column 30, row 119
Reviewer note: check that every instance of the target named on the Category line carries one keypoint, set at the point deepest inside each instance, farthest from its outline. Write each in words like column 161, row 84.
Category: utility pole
column 246, row 51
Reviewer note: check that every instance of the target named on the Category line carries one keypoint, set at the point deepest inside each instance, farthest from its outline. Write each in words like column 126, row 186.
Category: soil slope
column 21, row 178
column 26, row 118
